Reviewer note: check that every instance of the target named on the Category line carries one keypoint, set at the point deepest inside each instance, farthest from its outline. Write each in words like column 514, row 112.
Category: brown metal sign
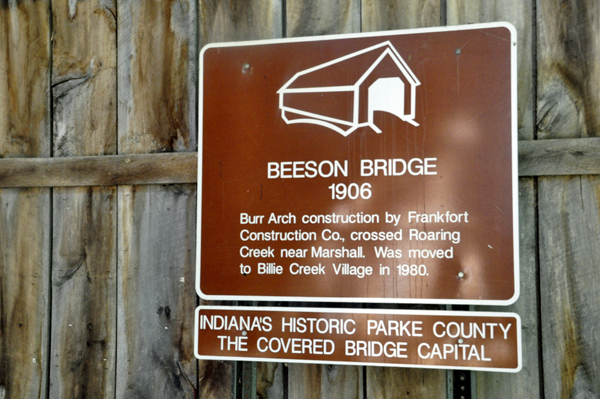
column 449, row 340
column 377, row 167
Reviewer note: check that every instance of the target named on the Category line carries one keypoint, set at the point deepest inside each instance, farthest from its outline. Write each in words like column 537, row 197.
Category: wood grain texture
column 569, row 223
column 525, row 384
column 215, row 379
column 559, row 157
column 392, row 383
column 227, row 20
column 157, row 70
column 311, row 18
column 24, row 213
column 405, row 14
column 84, row 254
column 24, row 79
column 384, row 382
column 570, row 280
column 84, row 77
column 24, row 291
column 568, row 86
column 84, row 293
column 168, row 168
column 269, row 380
column 157, row 74
column 329, row 381
column 156, row 292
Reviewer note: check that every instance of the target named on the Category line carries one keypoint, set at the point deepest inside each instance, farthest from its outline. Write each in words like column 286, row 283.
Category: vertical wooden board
column 310, row 18
column 155, row 350
column 84, row 77
column 215, row 379
column 568, row 97
column 24, row 79
column 24, row 213
column 406, row 14
column 385, row 382
column 225, row 20
column 222, row 21
column 157, row 48
column 83, row 331
column 269, row 380
column 570, row 280
column 568, row 80
column 329, row 381
column 304, row 381
column 157, row 78
column 157, row 75
column 24, row 291
column 392, row 383
column 520, row 14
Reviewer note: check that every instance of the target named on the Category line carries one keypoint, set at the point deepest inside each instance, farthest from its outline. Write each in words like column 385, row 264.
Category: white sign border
column 514, row 161
column 362, row 311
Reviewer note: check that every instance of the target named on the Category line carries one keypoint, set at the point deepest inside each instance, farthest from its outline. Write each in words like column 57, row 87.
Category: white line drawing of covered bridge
column 358, row 84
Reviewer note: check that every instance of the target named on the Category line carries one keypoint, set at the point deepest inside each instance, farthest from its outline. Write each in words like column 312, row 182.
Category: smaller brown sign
column 378, row 337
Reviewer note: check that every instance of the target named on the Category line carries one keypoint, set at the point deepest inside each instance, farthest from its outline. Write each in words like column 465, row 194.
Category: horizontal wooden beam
column 559, row 157
column 107, row 170
column 536, row 158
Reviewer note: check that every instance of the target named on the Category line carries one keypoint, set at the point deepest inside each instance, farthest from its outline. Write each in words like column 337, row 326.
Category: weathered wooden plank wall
column 84, row 262
column 157, row 99
column 97, row 283
column 568, row 89
column 25, row 221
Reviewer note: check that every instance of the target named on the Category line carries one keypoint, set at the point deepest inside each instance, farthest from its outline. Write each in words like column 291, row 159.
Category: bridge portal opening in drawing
column 386, row 94
column 358, row 84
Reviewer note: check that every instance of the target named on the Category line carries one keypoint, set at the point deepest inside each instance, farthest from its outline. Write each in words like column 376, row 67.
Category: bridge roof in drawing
column 347, row 72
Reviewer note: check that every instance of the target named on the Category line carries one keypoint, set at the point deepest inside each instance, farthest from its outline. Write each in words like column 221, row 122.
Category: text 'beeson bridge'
column 368, row 167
